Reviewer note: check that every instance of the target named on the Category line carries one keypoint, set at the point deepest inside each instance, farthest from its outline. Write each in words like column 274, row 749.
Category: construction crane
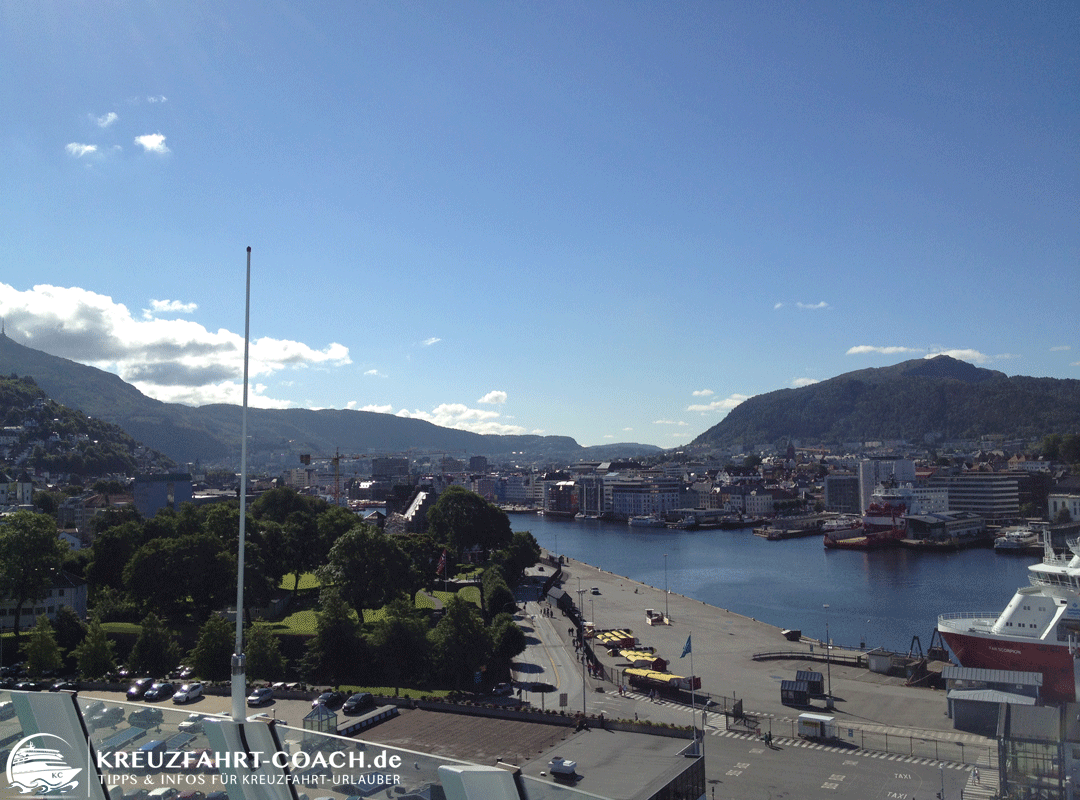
column 335, row 459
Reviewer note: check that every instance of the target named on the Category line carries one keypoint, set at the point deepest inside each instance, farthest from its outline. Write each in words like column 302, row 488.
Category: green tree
column 461, row 644
column 31, row 554
column 462, row 519
column 369, row 568
column 95, row 654
column 47, row 502
column 42, row 651
column 211, row 657
column 155, row 651
column 113, row 547
column 497, row 595
column 1062, row 516
column 400, row 644
column 336, row 652
column 522, row 553
column 263, row 650
column 507, row 640
column 70, row 630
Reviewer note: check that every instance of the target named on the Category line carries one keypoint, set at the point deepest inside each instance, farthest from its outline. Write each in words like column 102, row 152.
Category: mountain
column 920, row 400
column 277, row 437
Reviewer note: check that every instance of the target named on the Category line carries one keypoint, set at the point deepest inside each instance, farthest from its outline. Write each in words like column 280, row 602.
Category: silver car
column 188, row 692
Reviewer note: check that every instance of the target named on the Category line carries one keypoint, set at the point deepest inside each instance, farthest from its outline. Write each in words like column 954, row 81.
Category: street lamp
column 828, row 657
column 665, row 589
column 582, row 634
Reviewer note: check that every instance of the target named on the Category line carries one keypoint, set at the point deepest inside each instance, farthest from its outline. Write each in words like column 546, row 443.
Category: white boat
column 1018, row 541
column 646, row 521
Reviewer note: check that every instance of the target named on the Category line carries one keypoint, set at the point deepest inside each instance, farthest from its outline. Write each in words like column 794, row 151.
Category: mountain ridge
column 211, row 434
column 940, row 398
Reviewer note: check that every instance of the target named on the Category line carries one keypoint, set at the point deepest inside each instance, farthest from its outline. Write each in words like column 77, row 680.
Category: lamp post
column 665, row 589
column 828, row 658
column 582, row 635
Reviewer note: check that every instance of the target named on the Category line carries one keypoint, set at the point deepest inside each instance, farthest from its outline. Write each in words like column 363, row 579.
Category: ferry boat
column 646, row 521
column 1039, row 630
column 1018, row 541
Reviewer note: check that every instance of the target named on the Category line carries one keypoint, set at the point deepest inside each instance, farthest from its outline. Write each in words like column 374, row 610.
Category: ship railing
column 991, row 615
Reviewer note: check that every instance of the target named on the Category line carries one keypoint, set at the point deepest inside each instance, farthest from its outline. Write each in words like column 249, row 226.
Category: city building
column 155, row 492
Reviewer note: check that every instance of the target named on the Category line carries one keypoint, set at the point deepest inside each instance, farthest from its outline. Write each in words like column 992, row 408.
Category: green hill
column 918, row 400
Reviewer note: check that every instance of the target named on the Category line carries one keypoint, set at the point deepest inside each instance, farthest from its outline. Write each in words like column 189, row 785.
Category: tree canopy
column 31, row 555
column 462, row 519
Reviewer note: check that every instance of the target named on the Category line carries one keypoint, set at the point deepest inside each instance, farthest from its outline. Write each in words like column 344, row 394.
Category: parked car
column 503, row 689
column 362, row 701
column 139, row 688
column 331, row 700
column 65, row 686
column 260, row 696
column 159, row 691
column 149, row 717
column 188, row 692
column 31, row 686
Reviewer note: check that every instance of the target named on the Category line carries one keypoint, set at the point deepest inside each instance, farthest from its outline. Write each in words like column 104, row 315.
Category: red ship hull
column 1053, row 661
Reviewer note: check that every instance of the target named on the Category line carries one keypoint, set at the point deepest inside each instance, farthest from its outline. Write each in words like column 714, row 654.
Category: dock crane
column 335, row 459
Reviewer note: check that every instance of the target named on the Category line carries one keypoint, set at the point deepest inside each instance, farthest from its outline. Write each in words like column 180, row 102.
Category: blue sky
column 606, row 220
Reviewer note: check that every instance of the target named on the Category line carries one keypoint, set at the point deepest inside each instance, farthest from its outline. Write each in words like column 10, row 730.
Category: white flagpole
column 239, row 678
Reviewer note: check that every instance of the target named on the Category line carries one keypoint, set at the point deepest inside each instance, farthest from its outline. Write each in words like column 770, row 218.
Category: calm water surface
column 882, row 598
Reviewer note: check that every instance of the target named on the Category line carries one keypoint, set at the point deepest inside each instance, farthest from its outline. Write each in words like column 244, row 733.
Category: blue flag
column 686, row 648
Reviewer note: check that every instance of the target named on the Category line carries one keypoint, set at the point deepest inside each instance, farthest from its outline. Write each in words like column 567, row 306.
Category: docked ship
column 1039, row 630
column 883, row 524
column 647, row 521
column 1018, row 541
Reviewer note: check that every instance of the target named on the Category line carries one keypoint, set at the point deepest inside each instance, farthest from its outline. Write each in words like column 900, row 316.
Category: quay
column 871, row 709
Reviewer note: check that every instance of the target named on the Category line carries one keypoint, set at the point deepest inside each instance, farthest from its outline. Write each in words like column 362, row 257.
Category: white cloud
column 460, row 416
column 387, row 409
column 79, row 150
column 431, row 341
column 862, row 349
column 160, row 98
column 1060, row 348
column 726, row 404
column 374, row 373
column 152, row 143
column 105, row 121
column 608, row 436
column 703, row 393
column 628, row 429
column 495, row 398
column 797, row 382
column 974, row 356
column 777, row 305
column 173, row 360
column 813, row 306
column 668, row 422
column 168, row 307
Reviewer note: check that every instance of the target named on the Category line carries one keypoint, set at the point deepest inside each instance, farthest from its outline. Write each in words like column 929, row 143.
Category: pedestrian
column 975, row 775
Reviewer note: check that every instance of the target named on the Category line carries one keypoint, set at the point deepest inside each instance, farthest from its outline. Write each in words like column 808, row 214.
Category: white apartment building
column 1070, row 502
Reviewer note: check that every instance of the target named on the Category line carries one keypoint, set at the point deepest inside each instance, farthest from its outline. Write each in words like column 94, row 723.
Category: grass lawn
column 307, row 581
column 122, row 627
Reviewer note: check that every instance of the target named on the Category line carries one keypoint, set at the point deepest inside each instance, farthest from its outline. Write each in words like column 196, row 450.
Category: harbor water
column 875, row 598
